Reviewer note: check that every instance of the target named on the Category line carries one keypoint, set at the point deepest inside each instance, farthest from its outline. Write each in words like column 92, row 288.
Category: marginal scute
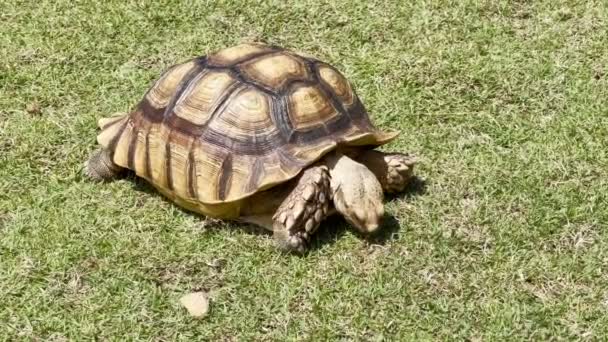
column 207, row 169
column 309, row 107
column 121, row 153
column 203, row 95
column 110, row 130
column 163, row 90
column 239, row 175
column 106, row 122
column 275, row 71
column 179, row 147
column 139, row 156
column 304, row 153
column 157, row 150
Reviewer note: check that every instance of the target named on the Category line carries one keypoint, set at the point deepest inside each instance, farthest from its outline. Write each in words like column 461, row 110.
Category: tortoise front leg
column 393, row 170
column 300, row 214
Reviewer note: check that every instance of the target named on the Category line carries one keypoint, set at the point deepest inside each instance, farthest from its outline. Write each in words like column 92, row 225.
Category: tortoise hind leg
column 300, row 214
column 393, row 170
column 101, row 167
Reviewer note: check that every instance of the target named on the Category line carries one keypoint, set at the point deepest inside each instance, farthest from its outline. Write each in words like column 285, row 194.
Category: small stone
column 196, row 303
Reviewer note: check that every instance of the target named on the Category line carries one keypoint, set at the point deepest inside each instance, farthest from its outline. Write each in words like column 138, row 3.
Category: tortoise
column 258, row 134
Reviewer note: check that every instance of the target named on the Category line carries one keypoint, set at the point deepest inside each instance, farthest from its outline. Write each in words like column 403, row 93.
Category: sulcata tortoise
column 257, row 134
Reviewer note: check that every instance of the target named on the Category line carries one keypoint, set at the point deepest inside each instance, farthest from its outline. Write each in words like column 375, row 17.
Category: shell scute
column 161, row 93
column 246, row 115
column 203, row 95
column 275, row 71
column 309, row 107
column 338, row 84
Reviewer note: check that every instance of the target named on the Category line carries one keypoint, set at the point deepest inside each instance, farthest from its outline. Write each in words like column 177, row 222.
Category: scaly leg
column 101, row 167
column 300, row 214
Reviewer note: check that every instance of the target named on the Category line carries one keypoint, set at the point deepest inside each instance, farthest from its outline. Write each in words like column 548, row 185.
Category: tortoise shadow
column 335, row 227
column 143, row 186
column 416, row 187
column 330, row 231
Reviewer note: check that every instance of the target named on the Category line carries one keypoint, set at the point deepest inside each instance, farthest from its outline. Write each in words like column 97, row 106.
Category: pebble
column 196, row 303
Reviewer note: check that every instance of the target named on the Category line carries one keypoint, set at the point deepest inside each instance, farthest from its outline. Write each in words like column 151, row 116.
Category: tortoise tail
column 101, row 167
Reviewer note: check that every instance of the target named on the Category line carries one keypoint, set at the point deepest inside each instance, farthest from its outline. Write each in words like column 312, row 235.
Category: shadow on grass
column 416, row 187
column 143, row 186
column 332, row 229
column 335, row 227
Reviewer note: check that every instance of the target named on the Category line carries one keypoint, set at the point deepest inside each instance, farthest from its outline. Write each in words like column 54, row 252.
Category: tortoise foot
column 300, row 214
column 101, row 167
column 399, row 173
column 393, row 170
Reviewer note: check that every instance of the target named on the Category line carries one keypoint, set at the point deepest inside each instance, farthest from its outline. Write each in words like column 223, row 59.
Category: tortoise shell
column 219, row 128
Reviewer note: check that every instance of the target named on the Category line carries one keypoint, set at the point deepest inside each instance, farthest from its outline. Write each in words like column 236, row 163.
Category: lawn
column 503, row 236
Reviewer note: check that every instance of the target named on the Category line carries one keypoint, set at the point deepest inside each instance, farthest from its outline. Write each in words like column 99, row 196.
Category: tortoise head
column 357, row 193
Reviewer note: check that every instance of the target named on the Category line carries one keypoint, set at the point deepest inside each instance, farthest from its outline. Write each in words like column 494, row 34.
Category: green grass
column 504, row 101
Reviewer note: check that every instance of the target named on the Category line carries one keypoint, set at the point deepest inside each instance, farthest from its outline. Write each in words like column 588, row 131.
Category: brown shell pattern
column 219, row 128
